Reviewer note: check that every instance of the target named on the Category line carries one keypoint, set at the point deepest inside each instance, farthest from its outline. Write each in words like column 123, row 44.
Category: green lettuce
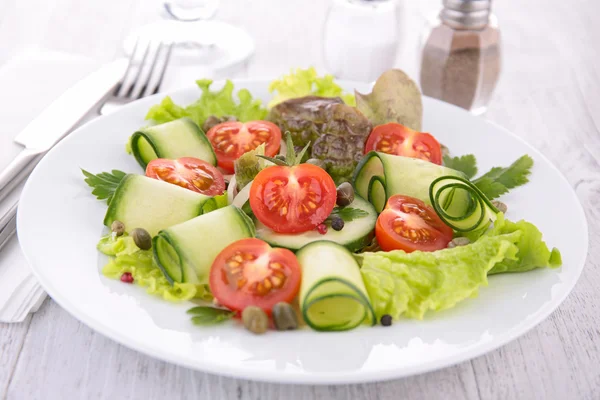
column 117, row 246
column 533, row 252
column 410, row 284
column 395, row 98
column 127, row 257
column 218, row 103
column 306, row 82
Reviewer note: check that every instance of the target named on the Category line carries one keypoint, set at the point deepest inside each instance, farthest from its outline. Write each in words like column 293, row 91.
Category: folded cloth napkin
column 30, row 82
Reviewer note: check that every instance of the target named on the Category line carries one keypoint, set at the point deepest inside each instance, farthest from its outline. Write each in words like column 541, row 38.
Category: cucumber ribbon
column 475, row 214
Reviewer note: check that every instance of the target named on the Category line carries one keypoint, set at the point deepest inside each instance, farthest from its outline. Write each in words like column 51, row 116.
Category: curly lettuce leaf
column 117, row 246
column 166, row 111
column 218, row 103
column 533, row 252
column 410, row 284
column 394, row 98
column 140, row 264
column 306, row 82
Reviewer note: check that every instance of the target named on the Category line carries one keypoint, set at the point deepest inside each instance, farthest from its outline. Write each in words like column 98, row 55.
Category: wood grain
column 548, row 94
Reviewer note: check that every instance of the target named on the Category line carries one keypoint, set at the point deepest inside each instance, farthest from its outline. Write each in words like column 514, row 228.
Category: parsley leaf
column 203, row 315
column 498, row 181
column 490, row 187
column 347, row 214
column 104, row 184
column 512, row 176
column 466, row 164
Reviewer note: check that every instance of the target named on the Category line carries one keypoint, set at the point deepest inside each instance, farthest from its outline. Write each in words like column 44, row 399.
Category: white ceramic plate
column 60, row 222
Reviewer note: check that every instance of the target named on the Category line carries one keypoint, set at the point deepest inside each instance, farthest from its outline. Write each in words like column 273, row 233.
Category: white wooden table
column 549, row 94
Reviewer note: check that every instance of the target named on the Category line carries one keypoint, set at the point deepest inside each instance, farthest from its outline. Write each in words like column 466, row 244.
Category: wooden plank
column 12, row 337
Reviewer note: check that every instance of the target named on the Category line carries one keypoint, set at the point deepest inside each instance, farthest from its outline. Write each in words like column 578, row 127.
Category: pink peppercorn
column 127, row 277
column 322, row 229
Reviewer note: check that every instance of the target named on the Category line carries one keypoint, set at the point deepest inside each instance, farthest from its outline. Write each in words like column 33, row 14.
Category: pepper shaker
column 461, row 59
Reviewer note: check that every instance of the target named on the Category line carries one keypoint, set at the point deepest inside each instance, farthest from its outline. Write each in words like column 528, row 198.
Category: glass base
column 210, row 44
column 478, row 111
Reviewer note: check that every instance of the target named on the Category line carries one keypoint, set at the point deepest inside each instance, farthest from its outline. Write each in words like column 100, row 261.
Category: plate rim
column 338, row 378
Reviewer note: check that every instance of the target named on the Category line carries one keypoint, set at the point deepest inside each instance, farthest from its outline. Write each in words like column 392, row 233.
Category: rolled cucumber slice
column 332, row 296
column 185, row 252
column 476, row 217
column 379, row 176
column 174, row 139
column 142, row 202
column 355, row 235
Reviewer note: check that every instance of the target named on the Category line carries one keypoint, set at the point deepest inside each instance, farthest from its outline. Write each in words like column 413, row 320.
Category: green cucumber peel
column 479, row 206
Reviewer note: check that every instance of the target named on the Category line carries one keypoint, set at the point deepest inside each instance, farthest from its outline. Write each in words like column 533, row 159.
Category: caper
column 117, row 227
column 317, row 162
column 386, row 320
column 500, row 206
column 345, row 194
column 255, row 319
column 210, row 122
column 284, row 317
column 337, row 223
column 459, row 241
column 142, row 238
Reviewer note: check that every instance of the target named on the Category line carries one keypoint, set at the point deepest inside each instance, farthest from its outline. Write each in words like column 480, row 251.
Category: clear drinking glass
column 360, row 38
column 198, row 39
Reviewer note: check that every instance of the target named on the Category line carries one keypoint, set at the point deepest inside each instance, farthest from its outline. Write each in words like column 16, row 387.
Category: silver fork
column 126, row 91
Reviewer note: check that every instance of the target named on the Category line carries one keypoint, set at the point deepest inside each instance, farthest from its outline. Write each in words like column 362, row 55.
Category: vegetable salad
column 320, row 208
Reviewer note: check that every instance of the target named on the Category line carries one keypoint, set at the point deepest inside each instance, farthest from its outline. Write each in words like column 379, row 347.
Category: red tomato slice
column 409, row 224
column 249, row 272
column 188, row 172
column 232, row 139
column 292, row 199
column 400, row 140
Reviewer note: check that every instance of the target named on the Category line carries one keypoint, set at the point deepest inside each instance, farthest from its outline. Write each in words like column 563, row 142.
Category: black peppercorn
column 386, row 320
column 337, row 223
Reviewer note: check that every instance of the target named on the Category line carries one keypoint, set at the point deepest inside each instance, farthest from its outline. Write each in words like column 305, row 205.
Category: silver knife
column 8, row 226
column 61, row 117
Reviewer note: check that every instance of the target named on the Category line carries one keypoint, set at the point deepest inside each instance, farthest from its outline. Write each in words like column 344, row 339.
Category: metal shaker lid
column 466, row 14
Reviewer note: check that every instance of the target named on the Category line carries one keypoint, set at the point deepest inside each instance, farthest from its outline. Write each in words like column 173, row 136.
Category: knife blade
column 62, row 115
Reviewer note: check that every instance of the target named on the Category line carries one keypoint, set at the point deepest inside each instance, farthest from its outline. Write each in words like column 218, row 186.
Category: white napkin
column 30, row 82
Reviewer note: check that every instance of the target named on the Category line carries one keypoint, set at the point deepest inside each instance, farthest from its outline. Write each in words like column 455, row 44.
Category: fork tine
column 139, row 72
column 129, row 65
column 164, row 69
column 142, row 91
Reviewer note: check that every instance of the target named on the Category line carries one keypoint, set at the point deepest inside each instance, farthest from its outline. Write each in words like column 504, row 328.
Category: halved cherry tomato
column 292, row 199
column 232, row 139
column 249, row 272
column 409, row 224
column 188, row 172
column 400, row 140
